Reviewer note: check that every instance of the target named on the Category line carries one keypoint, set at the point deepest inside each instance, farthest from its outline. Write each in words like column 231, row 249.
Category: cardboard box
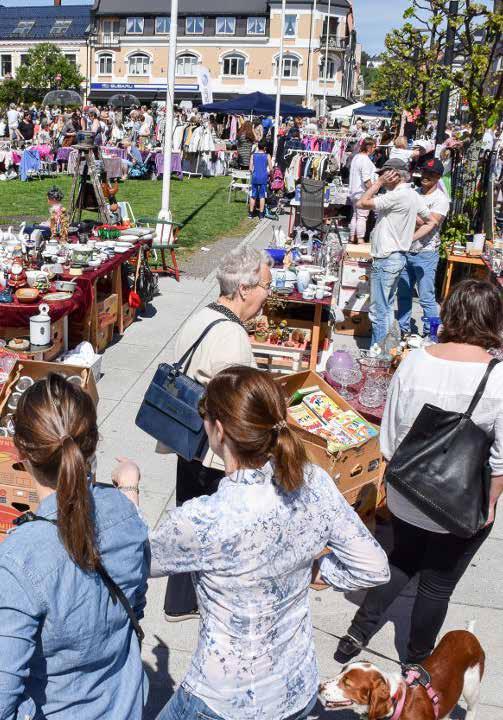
column 355, row 323
column 356, row 471
column 358, row 252
column 17, row 490
column 355, row 299
column 354, row 273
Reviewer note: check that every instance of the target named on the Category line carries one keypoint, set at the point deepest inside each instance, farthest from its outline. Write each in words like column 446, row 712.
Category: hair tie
column 281, row 425
column 62, row 439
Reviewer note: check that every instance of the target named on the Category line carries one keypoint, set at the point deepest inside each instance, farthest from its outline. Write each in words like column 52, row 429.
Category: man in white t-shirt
column 422, row 259
column 13, row 117
column 397, row 211
column 362, row 173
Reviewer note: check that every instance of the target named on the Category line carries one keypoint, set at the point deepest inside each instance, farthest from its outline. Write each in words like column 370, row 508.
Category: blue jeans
column 420, row 269
column 384, row 277
column 185, row 706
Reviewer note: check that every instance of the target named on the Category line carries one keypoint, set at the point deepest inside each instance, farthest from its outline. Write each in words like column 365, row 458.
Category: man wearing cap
column 397, row 211
column 422, row 259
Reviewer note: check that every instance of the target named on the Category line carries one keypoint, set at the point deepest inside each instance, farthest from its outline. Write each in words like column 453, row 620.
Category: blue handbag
column 170, row 409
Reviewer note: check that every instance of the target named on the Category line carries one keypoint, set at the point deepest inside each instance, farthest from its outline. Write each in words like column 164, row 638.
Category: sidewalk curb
column 248, row 239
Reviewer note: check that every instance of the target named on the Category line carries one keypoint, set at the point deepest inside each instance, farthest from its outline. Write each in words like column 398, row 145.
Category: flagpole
column 326, row 62
column 280, row 76
column 165, row 212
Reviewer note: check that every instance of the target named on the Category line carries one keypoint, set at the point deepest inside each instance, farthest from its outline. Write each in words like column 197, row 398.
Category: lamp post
column 448, row 59
column 280, row 75
column 326, row 61
column 165, row 211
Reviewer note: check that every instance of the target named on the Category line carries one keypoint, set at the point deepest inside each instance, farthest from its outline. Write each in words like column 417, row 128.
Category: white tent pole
column 310, row 91
column 280, row 75
column 165, row 212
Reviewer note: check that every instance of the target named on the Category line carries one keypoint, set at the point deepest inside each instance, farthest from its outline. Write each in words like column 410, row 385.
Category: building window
column 256, row 26
column 134, row 25
column 139, row 64
column 111, row 27
column 5, row 65
column 162, row 25
column 332, row 25
column 105, row 64
column 290, row 67
column 24, row 59
column 186, row 65
column 290, row 25
column 234, row 66
column 226, row 25
column 23, row 27
column 71, row 57
column 194, row 25
column 331, row 69
column 60, row 27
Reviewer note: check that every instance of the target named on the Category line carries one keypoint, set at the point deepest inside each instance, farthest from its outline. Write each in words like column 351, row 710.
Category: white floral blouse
column 251, row 547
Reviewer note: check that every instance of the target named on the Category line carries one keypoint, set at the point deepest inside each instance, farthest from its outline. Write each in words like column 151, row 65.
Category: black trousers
column 192, row 480
column 440, row 560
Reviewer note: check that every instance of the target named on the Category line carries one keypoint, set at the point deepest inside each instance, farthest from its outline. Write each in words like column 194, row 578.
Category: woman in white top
column 447, row 376
column 251, row 547
column 245, row 280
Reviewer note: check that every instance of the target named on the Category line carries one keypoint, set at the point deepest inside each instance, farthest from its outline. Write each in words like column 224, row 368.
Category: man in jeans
column 391, row 239
column 422, row 259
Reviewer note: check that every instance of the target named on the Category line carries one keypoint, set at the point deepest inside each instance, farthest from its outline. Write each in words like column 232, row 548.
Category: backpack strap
column 482, row 386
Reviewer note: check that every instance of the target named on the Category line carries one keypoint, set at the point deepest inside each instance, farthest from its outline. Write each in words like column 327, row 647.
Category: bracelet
column 128, row 487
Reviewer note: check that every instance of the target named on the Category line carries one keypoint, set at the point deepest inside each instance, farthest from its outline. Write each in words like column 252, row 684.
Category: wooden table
column 451, row 261
column 296, row 298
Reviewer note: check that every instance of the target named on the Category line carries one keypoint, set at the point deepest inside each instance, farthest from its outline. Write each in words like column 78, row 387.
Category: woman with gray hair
column 245, row 279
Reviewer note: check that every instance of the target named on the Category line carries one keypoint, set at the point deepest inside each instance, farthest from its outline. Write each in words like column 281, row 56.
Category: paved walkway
column 128, row 367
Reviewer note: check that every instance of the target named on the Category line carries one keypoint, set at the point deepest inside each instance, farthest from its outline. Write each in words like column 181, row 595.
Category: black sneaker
column 347, row 649
column 250, row 216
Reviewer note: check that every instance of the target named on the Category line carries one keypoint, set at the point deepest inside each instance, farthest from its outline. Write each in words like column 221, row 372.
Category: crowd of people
column 249, row 533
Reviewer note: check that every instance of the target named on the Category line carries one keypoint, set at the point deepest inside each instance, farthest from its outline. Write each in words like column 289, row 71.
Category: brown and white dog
column 456, row 667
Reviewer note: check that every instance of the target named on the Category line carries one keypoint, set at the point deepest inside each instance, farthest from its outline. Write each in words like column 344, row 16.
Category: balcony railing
column 334, row 42
column 106, row 40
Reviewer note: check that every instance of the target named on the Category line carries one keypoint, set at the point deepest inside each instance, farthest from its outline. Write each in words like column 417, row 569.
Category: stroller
column 274, row 194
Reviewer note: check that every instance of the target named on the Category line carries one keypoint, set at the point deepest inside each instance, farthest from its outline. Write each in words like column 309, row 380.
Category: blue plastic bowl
column 277, row 254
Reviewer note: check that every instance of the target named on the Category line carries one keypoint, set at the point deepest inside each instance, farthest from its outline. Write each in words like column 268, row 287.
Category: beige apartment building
column 237, row 40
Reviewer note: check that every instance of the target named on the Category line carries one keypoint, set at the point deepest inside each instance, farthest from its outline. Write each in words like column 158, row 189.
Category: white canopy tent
column 345, row 112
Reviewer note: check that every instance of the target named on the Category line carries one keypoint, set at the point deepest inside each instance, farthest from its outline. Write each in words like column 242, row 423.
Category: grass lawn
column 199, row 205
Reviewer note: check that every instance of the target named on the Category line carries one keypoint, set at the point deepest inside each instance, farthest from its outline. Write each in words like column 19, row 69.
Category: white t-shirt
column 436, row 202
column 13, row 118
column 397, row 211
column 422, row 378
column 400, row 154
column 361, row 171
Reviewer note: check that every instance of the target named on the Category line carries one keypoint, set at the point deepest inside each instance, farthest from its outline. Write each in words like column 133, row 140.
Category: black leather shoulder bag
column 442, row 466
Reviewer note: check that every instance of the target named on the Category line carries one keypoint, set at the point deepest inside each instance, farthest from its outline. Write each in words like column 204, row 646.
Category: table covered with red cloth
column 16, row 314
column 87, row 280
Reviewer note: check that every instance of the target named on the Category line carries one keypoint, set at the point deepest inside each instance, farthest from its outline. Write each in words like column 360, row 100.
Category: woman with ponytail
column 67, row 645
column 251, row 546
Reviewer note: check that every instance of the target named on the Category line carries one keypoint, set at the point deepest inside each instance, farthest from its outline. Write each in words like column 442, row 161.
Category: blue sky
column 374, row 18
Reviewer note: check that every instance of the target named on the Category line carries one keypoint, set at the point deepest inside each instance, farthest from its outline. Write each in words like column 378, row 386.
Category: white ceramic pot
column 40, row 327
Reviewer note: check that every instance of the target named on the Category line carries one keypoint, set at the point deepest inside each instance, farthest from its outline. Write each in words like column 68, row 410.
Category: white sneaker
column 11, row 175
column 3, row 177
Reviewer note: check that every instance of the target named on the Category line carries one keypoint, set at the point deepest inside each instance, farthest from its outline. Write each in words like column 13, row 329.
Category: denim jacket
column 66, row 650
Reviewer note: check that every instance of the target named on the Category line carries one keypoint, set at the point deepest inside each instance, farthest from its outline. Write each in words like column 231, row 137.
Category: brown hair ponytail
column 56, row 431
column 252, row 411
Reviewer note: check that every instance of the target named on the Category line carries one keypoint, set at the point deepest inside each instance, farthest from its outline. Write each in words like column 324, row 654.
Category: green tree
column 46, row 68
column 11, row 91
column 413, row 74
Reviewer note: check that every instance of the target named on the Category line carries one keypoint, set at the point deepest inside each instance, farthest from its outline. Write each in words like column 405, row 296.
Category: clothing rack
column 307, row 152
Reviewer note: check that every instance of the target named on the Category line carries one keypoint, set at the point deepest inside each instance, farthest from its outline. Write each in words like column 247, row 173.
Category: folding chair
column 167, row 241
column 240, row 181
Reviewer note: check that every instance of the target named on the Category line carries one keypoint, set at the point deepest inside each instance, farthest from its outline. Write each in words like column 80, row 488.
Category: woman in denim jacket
column 66, row 648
